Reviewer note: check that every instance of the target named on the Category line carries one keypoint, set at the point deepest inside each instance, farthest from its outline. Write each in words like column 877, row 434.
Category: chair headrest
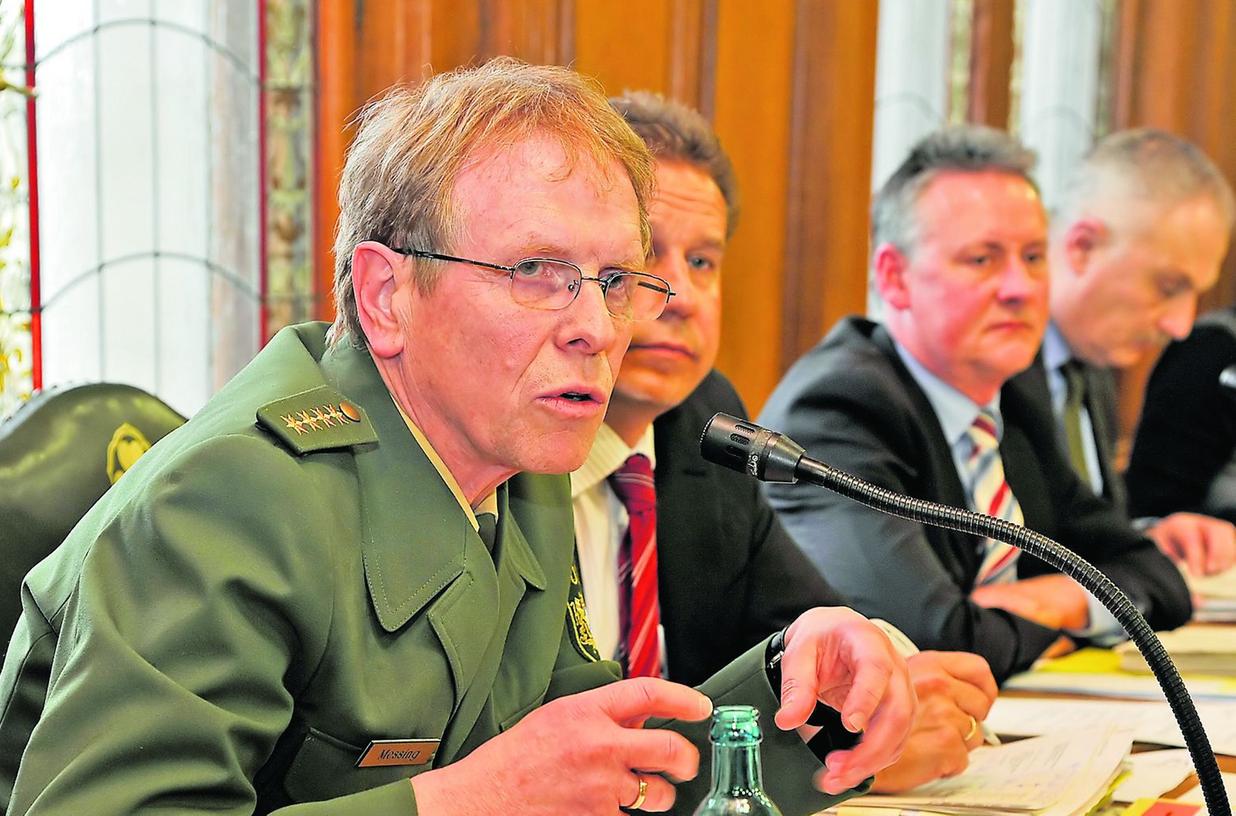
column 59, row 453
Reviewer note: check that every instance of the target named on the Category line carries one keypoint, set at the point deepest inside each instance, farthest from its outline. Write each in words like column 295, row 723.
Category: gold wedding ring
column 973, row 730
column 641, row 796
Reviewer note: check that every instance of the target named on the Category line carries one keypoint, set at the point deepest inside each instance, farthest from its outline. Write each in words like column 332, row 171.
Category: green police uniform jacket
column 230, row 626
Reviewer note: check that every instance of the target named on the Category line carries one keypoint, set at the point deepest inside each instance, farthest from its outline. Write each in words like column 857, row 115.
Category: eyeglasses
column 548, row 283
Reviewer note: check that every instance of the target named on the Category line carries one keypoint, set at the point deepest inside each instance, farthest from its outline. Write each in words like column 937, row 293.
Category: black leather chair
column 59, row 453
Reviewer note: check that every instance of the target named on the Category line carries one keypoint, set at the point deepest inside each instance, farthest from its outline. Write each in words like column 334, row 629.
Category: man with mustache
column 724, row 569
column 1141, row 232
column 923, row 405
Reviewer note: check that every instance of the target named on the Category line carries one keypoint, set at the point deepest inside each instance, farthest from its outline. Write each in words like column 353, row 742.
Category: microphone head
column 748, row 448
column 1227, row 380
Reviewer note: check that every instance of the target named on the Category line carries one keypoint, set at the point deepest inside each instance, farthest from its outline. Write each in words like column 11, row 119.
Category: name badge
column 381, row 753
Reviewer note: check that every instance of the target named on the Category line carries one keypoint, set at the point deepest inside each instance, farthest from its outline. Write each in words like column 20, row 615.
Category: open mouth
column 577, row 396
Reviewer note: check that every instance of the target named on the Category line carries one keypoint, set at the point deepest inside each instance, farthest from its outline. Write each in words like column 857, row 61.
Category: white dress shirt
column 600, row 524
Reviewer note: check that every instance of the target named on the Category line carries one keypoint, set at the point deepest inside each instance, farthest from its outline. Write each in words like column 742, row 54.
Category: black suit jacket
column 729, row 574
column 851, row 402
column 1100, row 403
column 1184, row 457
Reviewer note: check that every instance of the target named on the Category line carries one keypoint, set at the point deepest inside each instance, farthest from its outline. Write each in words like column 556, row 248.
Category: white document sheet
column 1149, row 721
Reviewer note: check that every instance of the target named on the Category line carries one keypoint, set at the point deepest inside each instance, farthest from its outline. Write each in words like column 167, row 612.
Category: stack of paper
column 1096, row 673
column 1206, row 649
column 1148, row 722
column 1217, row 594
column 1065, row 774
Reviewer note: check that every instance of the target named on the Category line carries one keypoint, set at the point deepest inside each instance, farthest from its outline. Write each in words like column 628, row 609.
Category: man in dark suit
column 725, row 570
column 1184, row 454
column 920, row 405
column 1141, row 232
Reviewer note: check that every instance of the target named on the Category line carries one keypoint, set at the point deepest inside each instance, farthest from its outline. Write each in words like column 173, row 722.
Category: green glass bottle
column 737, row 780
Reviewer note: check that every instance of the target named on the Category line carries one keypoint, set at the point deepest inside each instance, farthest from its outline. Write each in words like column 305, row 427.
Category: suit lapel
column 943, row 476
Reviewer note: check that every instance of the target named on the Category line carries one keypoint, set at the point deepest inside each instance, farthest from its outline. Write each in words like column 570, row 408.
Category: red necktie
column 639, row 609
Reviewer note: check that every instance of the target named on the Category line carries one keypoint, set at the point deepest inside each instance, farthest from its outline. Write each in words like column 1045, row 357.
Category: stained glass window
column 174, row 179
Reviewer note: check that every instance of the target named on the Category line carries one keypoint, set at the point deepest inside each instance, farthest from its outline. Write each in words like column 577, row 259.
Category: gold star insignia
column 310, row 421
column 294, row 424
column 323, row 418
column 333, row 413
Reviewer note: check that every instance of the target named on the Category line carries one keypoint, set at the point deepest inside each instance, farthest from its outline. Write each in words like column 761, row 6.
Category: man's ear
column 375, row 279
column 889, row 264
column 1081, row 238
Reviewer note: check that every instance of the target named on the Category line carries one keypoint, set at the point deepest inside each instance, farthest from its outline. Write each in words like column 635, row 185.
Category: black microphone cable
column 770, row 456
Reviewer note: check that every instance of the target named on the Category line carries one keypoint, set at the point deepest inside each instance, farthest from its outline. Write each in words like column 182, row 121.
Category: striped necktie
column 638, row 605
column 991, row 495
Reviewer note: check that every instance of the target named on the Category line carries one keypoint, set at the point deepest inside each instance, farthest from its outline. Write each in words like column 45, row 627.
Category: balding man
column 1143, row 226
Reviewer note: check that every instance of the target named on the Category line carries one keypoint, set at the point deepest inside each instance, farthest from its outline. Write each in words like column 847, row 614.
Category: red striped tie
column 639, row 609
column 991, row 495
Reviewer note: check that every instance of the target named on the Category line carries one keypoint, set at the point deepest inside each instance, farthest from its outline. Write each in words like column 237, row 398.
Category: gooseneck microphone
column 772, row 457
column 1227, row 380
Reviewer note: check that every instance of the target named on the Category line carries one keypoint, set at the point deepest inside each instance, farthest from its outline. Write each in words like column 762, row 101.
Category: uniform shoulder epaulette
column 318, row 419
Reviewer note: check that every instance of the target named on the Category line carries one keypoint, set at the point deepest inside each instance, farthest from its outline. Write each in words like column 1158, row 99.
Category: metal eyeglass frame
column 642, row 278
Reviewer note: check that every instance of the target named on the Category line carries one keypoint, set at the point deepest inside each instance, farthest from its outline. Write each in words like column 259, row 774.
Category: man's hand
column 955, row 691
column 1204, row 544
column 839, row 657
column 1054, row 601
column 583, row 754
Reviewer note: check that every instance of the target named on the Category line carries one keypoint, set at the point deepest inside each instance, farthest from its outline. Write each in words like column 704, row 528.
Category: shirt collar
column 607, row 455
column 1056, row 351
column 488, row 504
column 954, row 410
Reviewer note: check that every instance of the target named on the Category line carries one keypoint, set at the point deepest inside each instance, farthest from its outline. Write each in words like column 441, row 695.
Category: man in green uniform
column 344, row 573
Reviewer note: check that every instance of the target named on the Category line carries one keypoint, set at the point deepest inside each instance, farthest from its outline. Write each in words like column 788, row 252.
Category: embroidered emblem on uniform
column 383, row 753
column 577, row 616
column 294, row 423
column 317, row 419
column 127, row 445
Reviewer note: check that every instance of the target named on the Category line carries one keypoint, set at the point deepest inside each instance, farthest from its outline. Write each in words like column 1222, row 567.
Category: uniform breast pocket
column 326, row 767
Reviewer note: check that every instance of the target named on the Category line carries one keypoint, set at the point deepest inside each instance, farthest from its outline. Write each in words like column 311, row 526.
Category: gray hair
column 1157, row 165
column 959, row 148
column 399, row 179
column 674, row 132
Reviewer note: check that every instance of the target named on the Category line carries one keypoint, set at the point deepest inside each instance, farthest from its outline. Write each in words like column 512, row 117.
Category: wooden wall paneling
column 537, row 31
column 829, row 170
column 991, row 62
column 691, row 39
column 754, row 87
column 624, row 45
column 336, row 93
column 393, row 44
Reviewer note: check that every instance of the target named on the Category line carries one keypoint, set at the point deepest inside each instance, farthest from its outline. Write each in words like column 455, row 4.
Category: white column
column 1060, row 47
column 912, row 85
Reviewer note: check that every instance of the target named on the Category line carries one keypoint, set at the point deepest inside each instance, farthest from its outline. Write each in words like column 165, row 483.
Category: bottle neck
column 736, row 769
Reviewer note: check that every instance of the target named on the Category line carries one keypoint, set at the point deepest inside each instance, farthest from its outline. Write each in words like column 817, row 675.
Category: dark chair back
column 59, row 453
